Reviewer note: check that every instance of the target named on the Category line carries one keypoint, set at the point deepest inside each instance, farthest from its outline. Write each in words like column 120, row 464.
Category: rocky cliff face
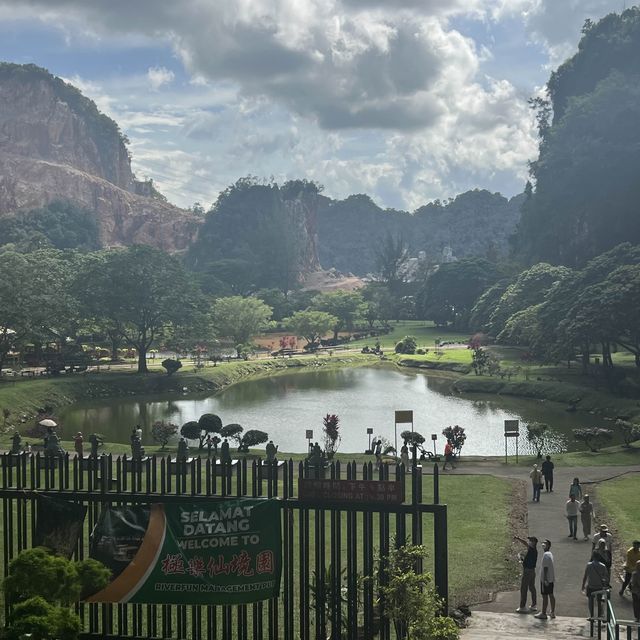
column 56, row 145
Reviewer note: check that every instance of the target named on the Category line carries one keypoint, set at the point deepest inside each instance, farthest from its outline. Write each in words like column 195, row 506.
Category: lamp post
column 369, row 433
column 434, row 437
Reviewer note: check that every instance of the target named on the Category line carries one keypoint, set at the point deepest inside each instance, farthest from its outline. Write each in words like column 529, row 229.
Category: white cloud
column 380, row 96
column 158, row 76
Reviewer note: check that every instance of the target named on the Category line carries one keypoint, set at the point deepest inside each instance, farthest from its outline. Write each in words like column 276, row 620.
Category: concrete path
column 546, row 519
column 496, row 626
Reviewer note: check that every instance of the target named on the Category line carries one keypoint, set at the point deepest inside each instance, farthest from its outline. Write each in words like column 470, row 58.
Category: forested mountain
column 56, row 146
column 476, row 223
column 587, row 175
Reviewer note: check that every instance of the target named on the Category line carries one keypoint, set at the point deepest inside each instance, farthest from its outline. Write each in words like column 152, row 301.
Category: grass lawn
column 424, row 332
column 617, row 455
column 478, row 509
column 620, row 499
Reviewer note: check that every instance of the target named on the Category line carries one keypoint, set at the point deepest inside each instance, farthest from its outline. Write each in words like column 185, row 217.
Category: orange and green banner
column 226, row 552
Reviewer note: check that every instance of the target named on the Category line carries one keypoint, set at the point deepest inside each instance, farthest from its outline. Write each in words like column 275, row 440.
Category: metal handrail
column 608, row 617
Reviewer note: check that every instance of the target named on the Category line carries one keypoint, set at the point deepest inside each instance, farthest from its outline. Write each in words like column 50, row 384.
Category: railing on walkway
column 327, row 547
column 604, row 620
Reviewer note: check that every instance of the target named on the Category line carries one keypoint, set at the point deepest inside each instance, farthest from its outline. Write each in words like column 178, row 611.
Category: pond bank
column 25, row 397
column 581, row 397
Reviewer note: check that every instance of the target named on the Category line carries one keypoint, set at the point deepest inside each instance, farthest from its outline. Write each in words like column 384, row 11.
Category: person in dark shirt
column 528, row 583
column 547, row 472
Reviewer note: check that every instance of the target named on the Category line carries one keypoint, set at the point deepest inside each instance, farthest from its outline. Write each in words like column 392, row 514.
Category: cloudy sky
column 406, row 100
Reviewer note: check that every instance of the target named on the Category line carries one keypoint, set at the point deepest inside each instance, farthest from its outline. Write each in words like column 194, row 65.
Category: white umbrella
column 47, row 423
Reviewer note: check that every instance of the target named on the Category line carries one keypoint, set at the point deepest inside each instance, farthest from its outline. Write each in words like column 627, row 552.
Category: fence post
column 436, row 484
column 441, row 553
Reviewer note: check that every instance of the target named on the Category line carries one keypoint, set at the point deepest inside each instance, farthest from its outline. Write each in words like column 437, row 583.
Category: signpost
column 370, row 491
column 511, row 430
column 369, row 433
column 402, row 417
column 309, row 437
column 434, row 437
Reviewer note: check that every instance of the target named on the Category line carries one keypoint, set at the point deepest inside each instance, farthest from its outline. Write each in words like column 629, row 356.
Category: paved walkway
column 547, row 519
column 507, row 626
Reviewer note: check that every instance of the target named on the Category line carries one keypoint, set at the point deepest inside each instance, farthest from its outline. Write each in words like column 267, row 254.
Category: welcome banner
column 188, row 553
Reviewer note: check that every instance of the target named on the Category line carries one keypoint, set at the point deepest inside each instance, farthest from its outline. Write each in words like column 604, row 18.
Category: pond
column 286, row 405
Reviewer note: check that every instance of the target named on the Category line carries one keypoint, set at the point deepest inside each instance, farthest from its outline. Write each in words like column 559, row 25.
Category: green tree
column 450, row 291
column 60, row 225
column 252, row 438
column 410, row 599
column 347, row 306
column 311, row 325
column 528, row 289
column 588, row 154
column 140, row 292
column 391, row 257
column 35, row 302
column 240, row 319
column 42, row 586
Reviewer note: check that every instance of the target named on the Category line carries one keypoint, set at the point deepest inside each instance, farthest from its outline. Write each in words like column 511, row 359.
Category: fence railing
column 604, row 619
column 331, row 551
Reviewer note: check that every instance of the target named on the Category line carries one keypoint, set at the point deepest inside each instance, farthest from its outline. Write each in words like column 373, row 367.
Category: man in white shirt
column 547, row 579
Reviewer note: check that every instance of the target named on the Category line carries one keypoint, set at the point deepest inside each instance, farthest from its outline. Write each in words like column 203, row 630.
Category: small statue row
column 52, row 447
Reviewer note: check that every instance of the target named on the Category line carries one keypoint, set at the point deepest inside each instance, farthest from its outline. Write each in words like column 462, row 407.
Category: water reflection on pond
column 286, row 405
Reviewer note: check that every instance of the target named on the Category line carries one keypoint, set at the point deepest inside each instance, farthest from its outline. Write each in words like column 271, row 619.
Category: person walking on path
column 572, row 508
column 634, row 587
column 448, row 455
column 632, row 559
column 547, row 580
column 547, row 472
column 575, row 489
column 586, row 516
column 528, row 582
column 603, row 534
column 536, row 480
column 595, row 578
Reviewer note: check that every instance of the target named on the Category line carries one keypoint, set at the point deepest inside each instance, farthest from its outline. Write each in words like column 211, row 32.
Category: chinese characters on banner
column 221, row 553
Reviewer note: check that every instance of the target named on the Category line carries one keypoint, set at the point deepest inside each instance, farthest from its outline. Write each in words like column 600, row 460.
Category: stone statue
column 137, row 450
column 52, row 446
column 225, row 456
column 317, row 455
column 16, row 443
column 271, row 451
column 183, row 450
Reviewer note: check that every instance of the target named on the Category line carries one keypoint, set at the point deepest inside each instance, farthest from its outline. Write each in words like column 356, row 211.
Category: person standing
column 536, row 481
column 603, row 534
column 634, row 587
column 78, row 444
column 632, row 559
column 378, row 453
column 595, row 578
column 572, row 508
column 586, row 515
column 404, row 455
column 547, row 472
column 547, row 580
column 575, row 489
column 448, row 455
column 528, row 582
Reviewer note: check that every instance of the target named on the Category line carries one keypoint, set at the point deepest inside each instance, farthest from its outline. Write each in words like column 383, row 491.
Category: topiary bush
column 407, row 345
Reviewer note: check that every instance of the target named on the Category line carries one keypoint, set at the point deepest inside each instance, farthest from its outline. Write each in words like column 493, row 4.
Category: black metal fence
column 330, row 550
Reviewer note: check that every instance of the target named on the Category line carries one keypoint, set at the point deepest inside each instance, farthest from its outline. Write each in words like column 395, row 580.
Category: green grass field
column 620, row 499
column 424, row 332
